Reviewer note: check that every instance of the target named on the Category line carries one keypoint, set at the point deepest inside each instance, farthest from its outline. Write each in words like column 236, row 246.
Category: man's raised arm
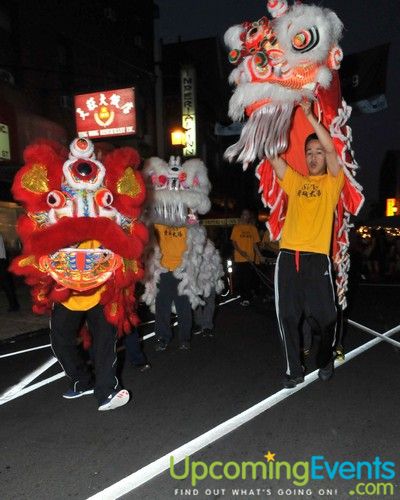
column 324, row 138
column 279, row 165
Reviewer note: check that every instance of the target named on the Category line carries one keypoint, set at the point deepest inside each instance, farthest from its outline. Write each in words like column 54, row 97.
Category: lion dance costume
column 82, row 244
column 280, row 61
column 182, row 264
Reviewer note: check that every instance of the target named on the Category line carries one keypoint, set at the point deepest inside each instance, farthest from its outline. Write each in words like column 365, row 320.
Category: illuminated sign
column 188, row 93
column 105, row 114
column 391, row 207
column 5, row 153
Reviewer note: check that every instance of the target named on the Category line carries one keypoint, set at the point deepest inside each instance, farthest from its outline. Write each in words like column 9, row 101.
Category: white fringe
column 200, row 272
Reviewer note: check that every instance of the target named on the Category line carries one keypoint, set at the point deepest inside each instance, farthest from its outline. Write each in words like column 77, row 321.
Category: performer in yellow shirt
column 303, row 280
column 172, row 243
column 245, row 239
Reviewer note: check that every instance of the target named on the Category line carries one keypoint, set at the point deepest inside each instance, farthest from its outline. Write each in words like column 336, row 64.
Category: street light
column 178, row 139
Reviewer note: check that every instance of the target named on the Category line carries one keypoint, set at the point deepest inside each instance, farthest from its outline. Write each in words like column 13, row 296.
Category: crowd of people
column 375, row 254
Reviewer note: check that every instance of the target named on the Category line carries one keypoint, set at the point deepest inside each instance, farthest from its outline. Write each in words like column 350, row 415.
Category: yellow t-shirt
column 172, row 241
column 244, row 235
column 309, row 218
column 77, row 301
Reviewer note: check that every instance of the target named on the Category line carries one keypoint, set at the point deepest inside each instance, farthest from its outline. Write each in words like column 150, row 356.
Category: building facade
column 52, row 50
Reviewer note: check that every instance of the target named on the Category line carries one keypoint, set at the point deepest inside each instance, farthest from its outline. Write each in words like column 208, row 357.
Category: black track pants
column 168, row 294
column 304, row 290
column 64, row 327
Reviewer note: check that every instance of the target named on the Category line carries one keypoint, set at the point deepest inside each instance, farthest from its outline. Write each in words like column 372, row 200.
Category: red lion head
column 70, row 198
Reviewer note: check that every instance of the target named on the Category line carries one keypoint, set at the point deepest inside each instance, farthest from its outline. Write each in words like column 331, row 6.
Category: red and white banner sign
column 105, row 114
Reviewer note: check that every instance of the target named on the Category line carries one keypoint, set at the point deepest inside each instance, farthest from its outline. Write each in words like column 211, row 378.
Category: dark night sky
column 368, row 23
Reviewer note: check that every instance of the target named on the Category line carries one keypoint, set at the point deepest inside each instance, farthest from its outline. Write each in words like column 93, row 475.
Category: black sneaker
column 161, row 345
column 71, row 394
column 196, row 330
column 143, row 367
column 326, row 373
column 208, row 332
column 290, row 382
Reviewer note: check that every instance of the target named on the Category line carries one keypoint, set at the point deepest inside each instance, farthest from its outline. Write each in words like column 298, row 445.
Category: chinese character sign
column 4, row 142
column 105, row 114
column 188, row 93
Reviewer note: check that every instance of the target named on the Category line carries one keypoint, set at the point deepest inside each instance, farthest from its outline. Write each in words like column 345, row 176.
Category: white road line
column 19, row 389
column 25, row 350
column 145, row 337
column 34, row 387
column 147, row 322
column 155, row 468
column 27, row 380
column 229, row 300
column 148, row 336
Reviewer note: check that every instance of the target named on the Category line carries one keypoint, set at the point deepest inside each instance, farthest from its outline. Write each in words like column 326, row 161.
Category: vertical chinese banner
column 188, row 93
column 5, row 153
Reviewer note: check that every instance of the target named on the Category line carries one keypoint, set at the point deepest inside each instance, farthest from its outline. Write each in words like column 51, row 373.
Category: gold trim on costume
column 36, row 180
column 128, row 184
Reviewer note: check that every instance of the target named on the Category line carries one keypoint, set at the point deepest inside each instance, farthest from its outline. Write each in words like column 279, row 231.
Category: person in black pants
column 168, row 294
column 303, row 278
column 245, row 239
column 64, row 326
column 134, row 351
column 67, row 318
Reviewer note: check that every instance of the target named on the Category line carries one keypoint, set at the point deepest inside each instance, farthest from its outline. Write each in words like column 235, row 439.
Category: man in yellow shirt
column 303, row 280
column 172, row 243
column 245, row 239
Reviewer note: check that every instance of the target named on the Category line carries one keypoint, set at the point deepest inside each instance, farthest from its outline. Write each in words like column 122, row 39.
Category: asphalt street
column 52, row 448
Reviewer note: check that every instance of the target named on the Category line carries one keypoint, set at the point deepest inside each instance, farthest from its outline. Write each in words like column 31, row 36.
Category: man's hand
column 244, row 254
column 306, row 105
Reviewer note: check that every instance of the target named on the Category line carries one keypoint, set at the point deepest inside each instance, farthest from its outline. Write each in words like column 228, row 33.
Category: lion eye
column 104, row 197
column 305, row 40
column 56, row 199
column 253, row 32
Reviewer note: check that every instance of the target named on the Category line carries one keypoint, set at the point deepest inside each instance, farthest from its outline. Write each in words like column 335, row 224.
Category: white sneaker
column 115, row 400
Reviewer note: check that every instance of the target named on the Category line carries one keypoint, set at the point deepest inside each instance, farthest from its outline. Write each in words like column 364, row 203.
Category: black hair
column 309, row 138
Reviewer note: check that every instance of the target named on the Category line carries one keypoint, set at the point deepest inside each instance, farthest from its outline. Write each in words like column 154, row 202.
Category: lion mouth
column 174, row 214
column 69, row 232
column 80, row 269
